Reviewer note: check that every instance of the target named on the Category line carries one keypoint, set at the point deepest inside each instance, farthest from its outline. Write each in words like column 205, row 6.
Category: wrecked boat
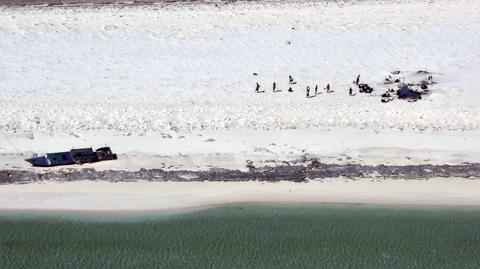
column 74, row 156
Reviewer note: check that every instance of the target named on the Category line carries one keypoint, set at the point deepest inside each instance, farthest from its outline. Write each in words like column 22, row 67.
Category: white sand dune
column 173, row 85
column 186, row 68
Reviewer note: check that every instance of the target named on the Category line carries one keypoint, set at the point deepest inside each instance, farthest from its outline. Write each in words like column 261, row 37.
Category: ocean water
column 245, row 236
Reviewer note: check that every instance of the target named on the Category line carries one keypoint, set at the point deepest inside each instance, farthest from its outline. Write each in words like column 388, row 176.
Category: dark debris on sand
column 299, row 171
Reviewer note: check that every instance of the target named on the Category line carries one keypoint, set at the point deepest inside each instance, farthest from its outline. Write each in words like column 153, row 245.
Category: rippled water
column 245, row 236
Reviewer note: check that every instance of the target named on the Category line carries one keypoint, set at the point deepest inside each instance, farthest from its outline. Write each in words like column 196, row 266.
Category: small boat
column 74, row 156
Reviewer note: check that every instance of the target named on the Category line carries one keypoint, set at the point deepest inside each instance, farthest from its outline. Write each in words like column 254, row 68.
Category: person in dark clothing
column 274, row 86
column 328, row 87
column 290, row 80
column 257, row 89
column 350, row 91
column 290, row 89
column 357, row 80
column 316, row 90
column 308, row 91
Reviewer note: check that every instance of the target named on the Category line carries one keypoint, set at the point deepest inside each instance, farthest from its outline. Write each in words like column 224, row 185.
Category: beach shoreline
column 174, row 196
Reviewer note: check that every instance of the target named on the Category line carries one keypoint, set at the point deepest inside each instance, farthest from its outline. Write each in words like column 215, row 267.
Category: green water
column 245, row 236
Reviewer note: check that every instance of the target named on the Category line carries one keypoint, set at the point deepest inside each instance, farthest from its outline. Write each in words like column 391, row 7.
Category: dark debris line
column 311, row 169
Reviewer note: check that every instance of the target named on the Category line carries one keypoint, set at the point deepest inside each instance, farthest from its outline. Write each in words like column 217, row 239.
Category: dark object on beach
column 257, row 89
column 74, row 156
column 316, row 90
column 290, row 80
column 386, row 94
column 357, row 80
column 365, row 88
column 308, row 91
column 408, row 94
column 255, row 74
column 350, row 91
column 274, row 86
column 423, row 86
column 328, row 87
column 290, row 89
column 388, row 80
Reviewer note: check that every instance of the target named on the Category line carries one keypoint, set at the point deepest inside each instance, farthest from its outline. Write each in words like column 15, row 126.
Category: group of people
column 291, row 82
column 403, row 93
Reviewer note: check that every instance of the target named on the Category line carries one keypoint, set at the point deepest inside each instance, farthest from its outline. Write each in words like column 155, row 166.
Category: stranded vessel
column 74, row 156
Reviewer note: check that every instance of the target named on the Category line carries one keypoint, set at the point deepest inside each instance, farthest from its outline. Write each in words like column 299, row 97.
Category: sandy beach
column 239, row 134
column 91, row 195
column 172, row 87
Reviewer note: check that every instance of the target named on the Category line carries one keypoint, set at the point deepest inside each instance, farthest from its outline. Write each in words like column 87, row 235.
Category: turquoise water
column 245, row 236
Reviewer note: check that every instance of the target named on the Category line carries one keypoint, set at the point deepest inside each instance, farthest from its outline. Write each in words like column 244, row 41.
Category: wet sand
column 100, row 195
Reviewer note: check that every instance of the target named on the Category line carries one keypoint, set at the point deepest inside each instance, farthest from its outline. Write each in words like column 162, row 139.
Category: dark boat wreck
column 74, row 156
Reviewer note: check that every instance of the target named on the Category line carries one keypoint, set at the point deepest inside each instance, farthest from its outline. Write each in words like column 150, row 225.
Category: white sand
column 88, row 195
column 188, row 68
column 172, row 87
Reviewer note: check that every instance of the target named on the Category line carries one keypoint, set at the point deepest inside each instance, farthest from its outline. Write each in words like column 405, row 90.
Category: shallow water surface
column 245, row 236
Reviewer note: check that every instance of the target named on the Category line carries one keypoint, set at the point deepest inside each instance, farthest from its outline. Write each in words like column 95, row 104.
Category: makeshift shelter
column 406, row 93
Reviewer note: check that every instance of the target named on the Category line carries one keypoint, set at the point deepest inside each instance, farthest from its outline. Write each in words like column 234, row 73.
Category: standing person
column 308, row 91
column 274, row 86
column 350, row 91
column 328, row 87
column 257, row 89
column 357, row 80
column 290, row 89
column 316, row 90
column 290, row 79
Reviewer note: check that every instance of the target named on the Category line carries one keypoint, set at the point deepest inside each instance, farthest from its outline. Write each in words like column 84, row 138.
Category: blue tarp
column 407, row 93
